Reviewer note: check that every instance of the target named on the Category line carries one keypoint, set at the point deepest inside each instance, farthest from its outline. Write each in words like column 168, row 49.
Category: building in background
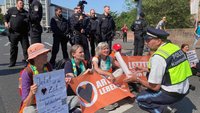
column 48, row 10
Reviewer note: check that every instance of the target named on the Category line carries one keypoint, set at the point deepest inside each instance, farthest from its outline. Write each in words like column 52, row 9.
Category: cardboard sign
column 96, row 92
column 51, row 94
column 192, row 57
column 133, row 61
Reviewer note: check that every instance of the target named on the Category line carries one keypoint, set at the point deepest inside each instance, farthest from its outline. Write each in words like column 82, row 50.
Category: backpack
column 30, row 74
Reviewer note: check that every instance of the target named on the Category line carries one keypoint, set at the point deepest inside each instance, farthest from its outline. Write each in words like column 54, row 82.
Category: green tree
column 176, row 11
column 1, row 17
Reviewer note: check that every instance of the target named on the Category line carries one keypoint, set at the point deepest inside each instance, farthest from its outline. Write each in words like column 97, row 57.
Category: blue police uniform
column 18, row 32
column 35, row 17
column 139, row 29
column 60, row 27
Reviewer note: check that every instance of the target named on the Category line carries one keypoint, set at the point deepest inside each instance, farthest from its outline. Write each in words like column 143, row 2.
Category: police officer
column 94, row 31
column 60, row 27
column 79, row 22
column 107, row 26
column 139, row 29
column 169, row 71
column 16, row 21
column 35, row 16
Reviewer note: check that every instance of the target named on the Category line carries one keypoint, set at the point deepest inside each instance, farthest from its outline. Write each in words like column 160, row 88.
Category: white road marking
column 7, row 44
column 48, row 44
column 6, row 54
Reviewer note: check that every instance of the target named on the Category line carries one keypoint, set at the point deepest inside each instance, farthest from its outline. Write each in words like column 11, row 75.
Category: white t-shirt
column 158, row 66
column 103, row 65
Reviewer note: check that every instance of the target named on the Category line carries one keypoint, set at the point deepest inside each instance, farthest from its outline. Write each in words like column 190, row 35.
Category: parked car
column 3, row 30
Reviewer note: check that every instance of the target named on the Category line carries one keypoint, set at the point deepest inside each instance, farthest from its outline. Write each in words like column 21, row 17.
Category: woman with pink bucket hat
column 37, row 63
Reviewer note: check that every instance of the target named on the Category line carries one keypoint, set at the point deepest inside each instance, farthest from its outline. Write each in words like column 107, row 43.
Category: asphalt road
column 10, row 100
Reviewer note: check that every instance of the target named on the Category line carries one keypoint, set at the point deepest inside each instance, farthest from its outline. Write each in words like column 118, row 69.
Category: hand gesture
column 132, row 78
column 139, row 69
column 68, row 78
column 33, row 89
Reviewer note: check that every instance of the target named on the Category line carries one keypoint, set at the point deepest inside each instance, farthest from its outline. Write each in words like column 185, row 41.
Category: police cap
column 156, row 33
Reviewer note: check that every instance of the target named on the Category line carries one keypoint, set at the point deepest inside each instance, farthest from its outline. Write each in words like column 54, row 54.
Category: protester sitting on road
column 102, row 64
column 37, row 63
column 185, row 47
column 195, row 67
column 168, row 70
column 74, row 67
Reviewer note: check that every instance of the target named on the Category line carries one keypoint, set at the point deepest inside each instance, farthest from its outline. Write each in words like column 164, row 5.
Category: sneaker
column 11, row 65
column 111, row 107
column 168, row 109
column 77, row 110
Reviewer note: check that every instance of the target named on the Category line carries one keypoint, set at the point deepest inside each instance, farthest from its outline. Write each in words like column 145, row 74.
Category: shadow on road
column 185, row 106
column 5, row 72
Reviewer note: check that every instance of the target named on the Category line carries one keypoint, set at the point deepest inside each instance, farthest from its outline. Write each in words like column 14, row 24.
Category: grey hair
column 100, row 47
column 74, row 48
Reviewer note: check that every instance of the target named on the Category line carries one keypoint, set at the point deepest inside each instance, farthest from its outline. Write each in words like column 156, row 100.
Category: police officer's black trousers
column 138, row 45
column 83, row 41
column 108, row 39
column 35, row 34
column 35, row 39
column 57, row 40
column 93, row 43
column 156, row 102
column 14, row 39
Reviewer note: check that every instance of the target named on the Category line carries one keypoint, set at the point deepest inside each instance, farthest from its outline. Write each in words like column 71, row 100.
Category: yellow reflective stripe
column 180, row 72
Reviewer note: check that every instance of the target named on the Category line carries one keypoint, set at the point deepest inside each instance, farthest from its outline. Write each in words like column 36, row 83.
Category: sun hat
column 117, row 47
column 36, row 49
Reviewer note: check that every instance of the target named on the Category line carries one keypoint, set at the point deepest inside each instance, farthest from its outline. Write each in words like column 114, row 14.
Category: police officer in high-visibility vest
column 169, row 71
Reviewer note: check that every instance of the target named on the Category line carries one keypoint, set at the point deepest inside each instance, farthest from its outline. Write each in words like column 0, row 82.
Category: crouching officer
column 16, row 21
column 35, row 17
column 60, row 27
column 169, row 71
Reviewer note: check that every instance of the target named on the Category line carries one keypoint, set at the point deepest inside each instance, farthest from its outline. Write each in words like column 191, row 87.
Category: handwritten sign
column 51, row 94
column 192, row 57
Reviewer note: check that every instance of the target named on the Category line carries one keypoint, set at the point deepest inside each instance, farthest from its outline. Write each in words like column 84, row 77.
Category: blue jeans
column 156, row 102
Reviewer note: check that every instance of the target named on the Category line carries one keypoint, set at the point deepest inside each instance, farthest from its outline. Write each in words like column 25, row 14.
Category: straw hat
column 36, row 49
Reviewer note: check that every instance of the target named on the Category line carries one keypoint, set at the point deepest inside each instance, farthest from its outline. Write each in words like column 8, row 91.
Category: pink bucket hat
column 36, row 49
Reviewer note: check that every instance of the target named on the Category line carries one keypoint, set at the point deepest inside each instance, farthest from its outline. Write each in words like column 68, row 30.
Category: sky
column 115, row 5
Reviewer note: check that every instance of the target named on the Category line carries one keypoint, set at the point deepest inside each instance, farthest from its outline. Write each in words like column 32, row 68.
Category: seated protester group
column 37, row 63
column 74, row 67
column 102, row 64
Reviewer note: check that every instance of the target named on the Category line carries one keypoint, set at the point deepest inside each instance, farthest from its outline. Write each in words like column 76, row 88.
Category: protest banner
column 95, row 91
column 133, row 61
column 51, row 96
column 192, row 57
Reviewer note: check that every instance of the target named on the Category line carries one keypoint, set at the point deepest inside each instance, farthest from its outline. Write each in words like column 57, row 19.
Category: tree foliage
column 1, row 17
column 177, row 13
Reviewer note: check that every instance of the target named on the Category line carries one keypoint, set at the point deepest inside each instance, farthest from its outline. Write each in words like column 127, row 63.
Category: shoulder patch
column 35, row 8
